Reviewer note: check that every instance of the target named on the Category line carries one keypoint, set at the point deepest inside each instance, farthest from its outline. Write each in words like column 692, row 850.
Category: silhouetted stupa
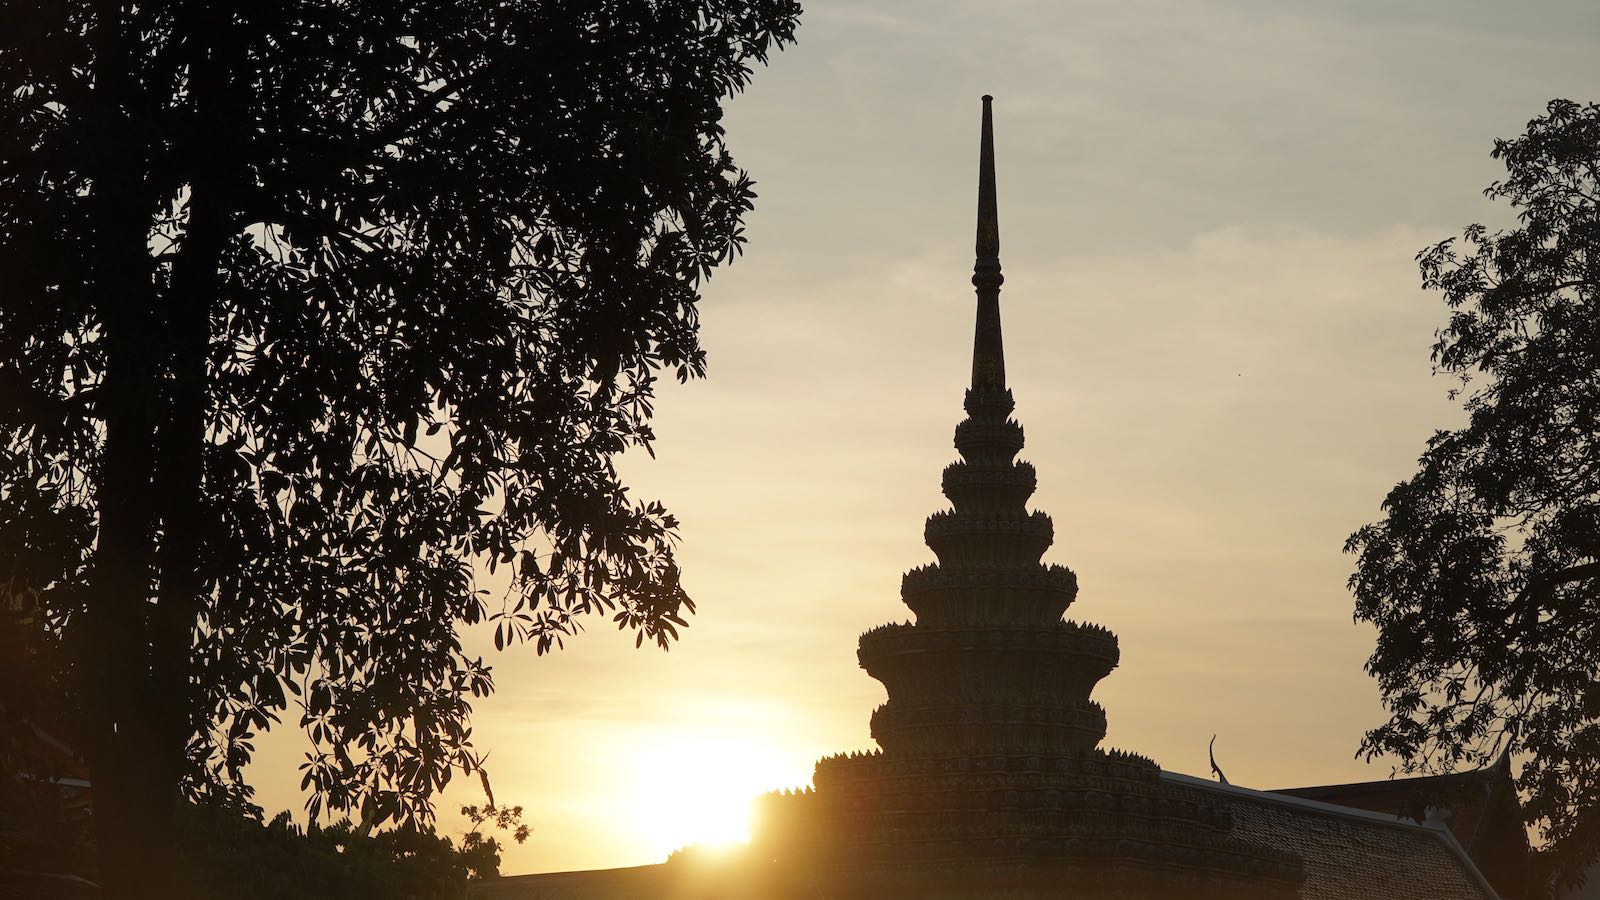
column 991, row 781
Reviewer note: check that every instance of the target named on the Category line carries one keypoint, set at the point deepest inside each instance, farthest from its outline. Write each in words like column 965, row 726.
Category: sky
column 1214, row 333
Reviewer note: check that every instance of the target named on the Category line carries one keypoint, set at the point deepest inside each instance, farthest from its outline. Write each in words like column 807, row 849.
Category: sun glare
column 699, row 791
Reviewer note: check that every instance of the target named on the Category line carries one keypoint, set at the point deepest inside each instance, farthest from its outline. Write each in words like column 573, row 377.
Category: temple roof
column 1479, row 807
column 1353, row 854
column 1467, row 796
column 633, row 883
column 1349, row 854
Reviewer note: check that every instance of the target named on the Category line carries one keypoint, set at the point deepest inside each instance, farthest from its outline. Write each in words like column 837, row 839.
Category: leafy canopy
column 421, row 263
column 1483, row 577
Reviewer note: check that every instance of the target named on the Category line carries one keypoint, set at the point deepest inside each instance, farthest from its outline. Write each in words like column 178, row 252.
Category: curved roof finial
column 988, row 354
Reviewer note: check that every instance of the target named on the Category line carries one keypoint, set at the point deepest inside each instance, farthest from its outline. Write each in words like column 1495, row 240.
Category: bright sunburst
column 699, row 790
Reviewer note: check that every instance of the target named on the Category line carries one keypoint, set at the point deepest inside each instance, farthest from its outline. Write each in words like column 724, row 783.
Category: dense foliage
column 1483, row 577
column 230, row 852
column 313, row 312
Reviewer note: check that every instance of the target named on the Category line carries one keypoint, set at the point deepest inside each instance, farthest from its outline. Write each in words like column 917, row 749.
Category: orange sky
column 1215, row 338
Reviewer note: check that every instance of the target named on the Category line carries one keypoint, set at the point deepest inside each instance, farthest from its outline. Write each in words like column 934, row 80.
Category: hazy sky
column 1215, row 337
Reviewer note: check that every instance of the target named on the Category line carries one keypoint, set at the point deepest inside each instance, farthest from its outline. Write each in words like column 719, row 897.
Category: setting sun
column 698, row 790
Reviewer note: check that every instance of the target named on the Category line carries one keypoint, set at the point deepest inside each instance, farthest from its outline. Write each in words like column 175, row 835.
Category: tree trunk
column 134, row 798
column 133, row 807
column 180, row 470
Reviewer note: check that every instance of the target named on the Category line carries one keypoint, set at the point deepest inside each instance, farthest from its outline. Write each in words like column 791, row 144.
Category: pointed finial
column 988, row 244
column 988, row 353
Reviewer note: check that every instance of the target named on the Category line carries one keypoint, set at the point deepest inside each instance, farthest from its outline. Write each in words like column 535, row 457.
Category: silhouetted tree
column 311, row 308
column 227, row 851
column 1483, row 577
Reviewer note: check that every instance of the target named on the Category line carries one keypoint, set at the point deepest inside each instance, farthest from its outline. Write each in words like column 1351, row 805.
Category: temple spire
column 988, row 354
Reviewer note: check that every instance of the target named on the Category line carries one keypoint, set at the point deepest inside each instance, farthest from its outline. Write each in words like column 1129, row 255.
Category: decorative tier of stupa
column 991, row 781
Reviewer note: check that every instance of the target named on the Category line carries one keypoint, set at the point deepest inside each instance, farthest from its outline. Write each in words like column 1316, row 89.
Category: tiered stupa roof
column 991, row 781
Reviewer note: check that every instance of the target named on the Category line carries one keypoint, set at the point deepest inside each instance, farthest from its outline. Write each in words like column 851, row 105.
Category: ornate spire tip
column 988, row 357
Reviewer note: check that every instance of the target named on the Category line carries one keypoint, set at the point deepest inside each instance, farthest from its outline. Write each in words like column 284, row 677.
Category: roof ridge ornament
column 988, row 351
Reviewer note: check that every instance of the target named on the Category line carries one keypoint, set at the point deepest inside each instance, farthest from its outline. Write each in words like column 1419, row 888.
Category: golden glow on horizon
column 698, row 789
